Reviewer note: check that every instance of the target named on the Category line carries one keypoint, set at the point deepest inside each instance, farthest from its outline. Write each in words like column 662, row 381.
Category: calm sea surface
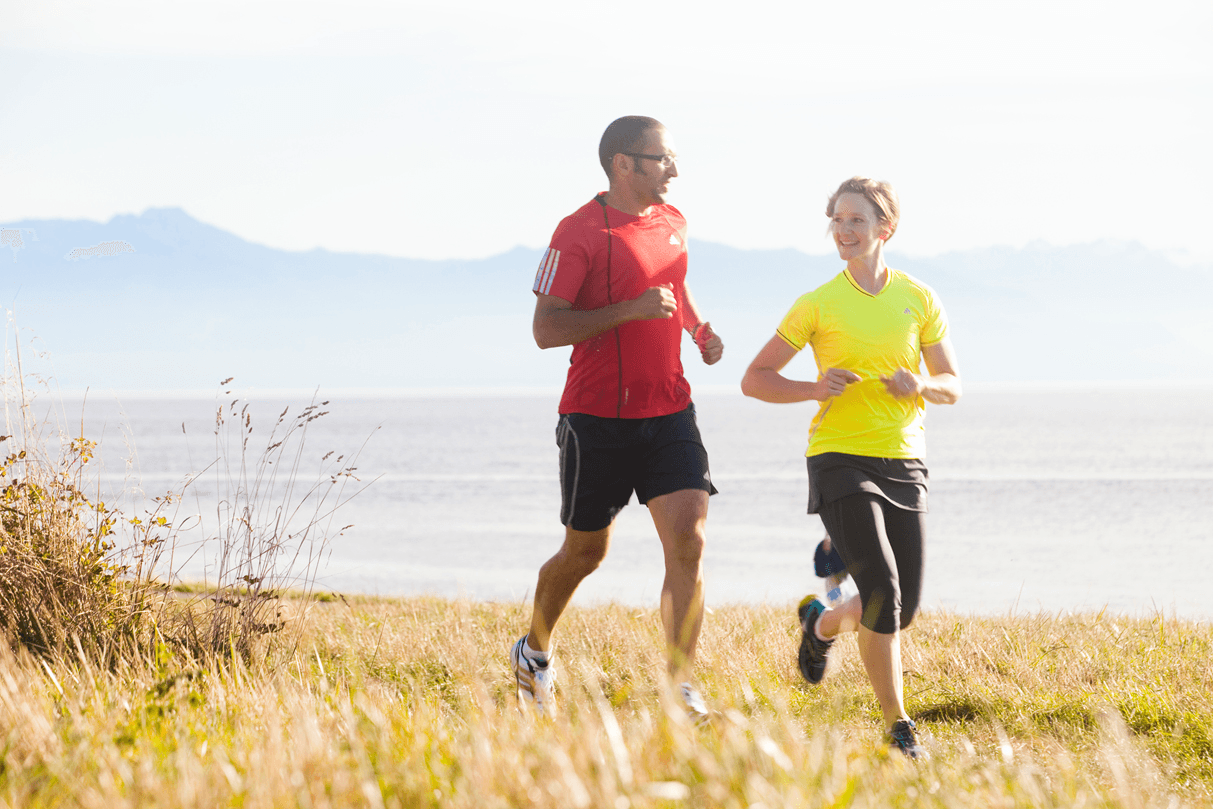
column 1040, row 499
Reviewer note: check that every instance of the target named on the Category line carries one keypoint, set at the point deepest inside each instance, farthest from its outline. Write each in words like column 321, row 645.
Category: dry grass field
column 410, row 703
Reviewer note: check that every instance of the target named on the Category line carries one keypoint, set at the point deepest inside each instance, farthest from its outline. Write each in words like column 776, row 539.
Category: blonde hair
column 879, row 193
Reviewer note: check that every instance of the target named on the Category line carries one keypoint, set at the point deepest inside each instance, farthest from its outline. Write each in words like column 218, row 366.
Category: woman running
column 867, row 327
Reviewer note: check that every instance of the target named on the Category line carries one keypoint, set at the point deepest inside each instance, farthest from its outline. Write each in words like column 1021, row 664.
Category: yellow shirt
column 872, row 335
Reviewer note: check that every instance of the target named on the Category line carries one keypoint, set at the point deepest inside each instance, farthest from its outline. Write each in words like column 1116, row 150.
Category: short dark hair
column 622, row 136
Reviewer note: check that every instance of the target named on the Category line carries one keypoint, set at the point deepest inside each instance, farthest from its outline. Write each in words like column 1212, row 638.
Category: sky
column 461, row 130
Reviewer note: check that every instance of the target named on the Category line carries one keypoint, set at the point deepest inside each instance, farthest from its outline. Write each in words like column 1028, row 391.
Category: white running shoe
column 536, row 683
column 697, row 709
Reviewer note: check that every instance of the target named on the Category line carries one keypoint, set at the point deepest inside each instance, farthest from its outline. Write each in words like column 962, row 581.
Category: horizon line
column 539, row 391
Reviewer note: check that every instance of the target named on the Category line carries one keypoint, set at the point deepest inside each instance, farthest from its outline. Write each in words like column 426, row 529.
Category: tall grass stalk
column 273, row 522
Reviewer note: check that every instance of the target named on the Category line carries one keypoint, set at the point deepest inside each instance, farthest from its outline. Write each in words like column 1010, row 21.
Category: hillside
column 162, row 301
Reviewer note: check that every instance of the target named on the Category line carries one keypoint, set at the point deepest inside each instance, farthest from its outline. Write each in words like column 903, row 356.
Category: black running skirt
column 834, row 475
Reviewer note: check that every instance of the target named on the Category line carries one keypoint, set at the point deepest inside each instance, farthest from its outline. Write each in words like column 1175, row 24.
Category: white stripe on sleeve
column 543, row 263
column 547, row 272
column 547, row 290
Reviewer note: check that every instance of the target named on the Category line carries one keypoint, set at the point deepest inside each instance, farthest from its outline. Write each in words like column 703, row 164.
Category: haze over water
column 1040, row 499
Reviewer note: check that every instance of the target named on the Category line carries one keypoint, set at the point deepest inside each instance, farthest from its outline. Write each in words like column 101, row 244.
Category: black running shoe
column 813, row 650
column 902, row 738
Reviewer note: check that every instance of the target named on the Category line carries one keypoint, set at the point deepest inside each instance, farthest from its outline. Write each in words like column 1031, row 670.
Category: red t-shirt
column 633, row 371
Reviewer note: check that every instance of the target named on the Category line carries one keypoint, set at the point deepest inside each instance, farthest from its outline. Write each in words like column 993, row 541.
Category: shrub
column 61, row 583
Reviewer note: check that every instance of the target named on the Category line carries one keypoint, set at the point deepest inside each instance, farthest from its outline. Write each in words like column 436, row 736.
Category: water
column 1040, row 499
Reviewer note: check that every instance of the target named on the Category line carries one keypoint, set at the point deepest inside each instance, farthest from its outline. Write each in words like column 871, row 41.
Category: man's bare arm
column 711, row 347
column 556, row 323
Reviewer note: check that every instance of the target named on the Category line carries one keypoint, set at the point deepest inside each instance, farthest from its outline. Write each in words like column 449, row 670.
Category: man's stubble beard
column 656, row 196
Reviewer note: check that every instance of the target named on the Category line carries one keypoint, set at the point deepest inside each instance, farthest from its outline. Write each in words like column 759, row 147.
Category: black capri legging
column 883, row 548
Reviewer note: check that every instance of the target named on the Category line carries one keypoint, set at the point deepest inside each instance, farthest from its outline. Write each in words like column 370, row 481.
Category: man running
column 612, row 284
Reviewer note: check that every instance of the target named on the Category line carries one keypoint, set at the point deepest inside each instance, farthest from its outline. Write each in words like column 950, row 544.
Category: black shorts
column 602, row 461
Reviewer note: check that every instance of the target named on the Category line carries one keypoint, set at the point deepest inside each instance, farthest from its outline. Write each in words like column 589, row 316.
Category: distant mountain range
column 162, row 301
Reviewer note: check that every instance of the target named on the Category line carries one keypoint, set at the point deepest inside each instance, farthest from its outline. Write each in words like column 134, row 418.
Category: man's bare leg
column 680, row 519
column 581, row 554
